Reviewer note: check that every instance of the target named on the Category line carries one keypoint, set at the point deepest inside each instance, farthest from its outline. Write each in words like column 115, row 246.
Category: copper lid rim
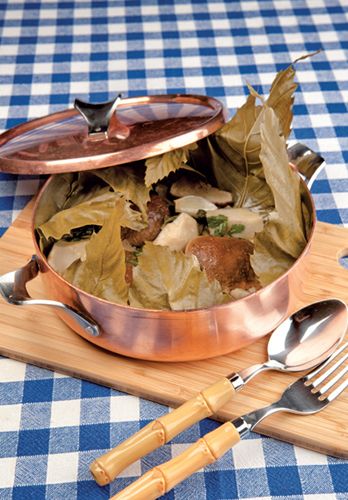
column 138, row 152
column 109, row 159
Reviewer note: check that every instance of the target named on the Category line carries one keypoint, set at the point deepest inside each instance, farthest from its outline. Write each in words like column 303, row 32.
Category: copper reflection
column 59, row 142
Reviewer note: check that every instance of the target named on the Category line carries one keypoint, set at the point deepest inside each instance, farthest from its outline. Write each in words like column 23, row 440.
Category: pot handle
column 14, row 291
column 307, row 163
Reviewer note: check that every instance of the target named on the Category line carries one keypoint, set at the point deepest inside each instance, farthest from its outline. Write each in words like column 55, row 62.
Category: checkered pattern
column 51, row 426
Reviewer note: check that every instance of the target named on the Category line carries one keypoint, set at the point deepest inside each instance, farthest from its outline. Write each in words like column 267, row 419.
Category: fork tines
column 324, row 374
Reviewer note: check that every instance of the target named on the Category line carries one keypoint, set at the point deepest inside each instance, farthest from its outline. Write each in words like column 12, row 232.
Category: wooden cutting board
column 36, row 335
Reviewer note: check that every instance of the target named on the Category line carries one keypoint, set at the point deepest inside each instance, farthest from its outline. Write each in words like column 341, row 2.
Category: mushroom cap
column 225, row 259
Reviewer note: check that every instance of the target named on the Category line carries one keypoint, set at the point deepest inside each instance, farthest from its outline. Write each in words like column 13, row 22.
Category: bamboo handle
column 106, row 467
column 163, row 478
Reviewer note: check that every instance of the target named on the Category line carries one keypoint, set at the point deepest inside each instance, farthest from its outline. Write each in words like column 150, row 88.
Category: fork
column 305, row 396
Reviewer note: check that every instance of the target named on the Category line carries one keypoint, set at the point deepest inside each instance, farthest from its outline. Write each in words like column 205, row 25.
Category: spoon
column 302, row 341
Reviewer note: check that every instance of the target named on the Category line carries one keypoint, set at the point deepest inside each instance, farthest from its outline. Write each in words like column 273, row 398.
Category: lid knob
column 101, row 119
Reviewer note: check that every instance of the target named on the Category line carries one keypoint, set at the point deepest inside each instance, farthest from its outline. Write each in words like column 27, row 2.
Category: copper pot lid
column 101, row 135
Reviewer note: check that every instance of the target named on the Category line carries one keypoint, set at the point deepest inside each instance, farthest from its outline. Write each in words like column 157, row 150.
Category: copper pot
column 162, row 335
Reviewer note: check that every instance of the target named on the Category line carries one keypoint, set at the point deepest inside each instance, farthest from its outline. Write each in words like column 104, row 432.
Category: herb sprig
column 219, row 225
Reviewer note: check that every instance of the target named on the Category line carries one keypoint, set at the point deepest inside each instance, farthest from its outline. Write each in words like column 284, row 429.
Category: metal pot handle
column 13, row 289
column 307, row 163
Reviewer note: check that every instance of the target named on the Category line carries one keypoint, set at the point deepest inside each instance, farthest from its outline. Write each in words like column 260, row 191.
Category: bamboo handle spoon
column 300, row 342
column 305, row 396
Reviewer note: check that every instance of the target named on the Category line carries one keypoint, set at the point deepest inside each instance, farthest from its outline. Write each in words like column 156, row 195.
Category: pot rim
column 150, row 312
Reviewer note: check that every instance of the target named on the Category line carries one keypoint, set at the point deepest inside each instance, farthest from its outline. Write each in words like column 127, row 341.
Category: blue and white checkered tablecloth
column 53, row 426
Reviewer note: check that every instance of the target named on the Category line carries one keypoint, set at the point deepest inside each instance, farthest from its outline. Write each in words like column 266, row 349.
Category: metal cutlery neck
column 238, row 380
column 247, row 422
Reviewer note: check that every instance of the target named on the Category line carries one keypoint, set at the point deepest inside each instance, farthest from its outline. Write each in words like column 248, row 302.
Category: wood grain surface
column 36, row 335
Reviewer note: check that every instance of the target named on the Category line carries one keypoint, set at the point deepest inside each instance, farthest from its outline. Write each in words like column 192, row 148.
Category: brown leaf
column 281, row 98
column 171, row 280
column 283, row 238
column 240, row 140
column 229, row 178
column 161, row 166
column 128, row 180
column 95, row 208
column 92, row 211
column 103, row 272
column 53, row 198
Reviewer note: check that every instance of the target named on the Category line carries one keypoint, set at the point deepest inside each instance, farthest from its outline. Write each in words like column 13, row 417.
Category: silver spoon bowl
column 302, row 341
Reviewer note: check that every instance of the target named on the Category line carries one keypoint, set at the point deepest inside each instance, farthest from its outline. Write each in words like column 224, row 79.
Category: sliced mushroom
column 187, row 186
column 251, row 221
column 178, row 233
column 193, row 204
